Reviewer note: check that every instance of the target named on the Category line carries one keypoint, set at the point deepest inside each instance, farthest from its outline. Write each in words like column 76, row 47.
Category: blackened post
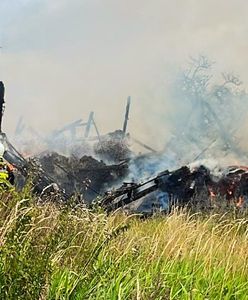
column 97, row 131
column 88, row 126
column 1, row 103
column 126, row 116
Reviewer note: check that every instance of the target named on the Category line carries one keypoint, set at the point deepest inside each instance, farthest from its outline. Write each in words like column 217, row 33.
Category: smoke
column 62, row 59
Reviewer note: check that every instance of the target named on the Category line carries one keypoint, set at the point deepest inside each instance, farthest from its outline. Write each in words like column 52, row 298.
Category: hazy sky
column 63, row 58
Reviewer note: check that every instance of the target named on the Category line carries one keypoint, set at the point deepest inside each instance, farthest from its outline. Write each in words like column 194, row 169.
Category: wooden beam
column 89, row 123
column 126, row 116
column 143, row 145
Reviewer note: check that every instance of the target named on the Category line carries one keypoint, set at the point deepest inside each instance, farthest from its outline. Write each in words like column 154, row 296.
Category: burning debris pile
column 94, row 165
column 194, row 188
column 191, row 186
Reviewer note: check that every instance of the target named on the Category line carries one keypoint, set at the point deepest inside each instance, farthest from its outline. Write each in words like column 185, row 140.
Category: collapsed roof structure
column 103, row 166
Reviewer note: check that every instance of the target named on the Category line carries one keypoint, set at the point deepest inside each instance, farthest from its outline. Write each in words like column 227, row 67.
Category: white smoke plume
column 61, row 59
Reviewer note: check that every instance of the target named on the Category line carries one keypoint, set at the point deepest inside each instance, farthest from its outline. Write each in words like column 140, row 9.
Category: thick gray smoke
column 61, row 59
column 208, row 121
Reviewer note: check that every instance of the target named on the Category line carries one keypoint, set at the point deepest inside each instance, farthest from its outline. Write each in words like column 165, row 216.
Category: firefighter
column 6, row 171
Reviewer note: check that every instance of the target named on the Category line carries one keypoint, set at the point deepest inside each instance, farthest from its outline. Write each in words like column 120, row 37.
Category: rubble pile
column 233, row 184
column 86, row 176
column 141, row 187
column 124, row 185
column 195, row 184
column 184, row 186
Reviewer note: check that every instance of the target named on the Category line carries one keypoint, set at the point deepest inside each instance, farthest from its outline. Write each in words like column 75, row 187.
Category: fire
column 240, row 202
column 212, row 194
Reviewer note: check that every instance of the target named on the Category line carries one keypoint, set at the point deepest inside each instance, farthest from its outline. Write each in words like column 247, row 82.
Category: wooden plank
column 126, row 116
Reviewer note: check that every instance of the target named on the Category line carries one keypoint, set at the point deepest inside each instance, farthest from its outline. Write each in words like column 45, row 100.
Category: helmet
column 2, row 149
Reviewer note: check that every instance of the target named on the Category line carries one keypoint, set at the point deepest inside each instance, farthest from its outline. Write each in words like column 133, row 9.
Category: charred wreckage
column 91, row 180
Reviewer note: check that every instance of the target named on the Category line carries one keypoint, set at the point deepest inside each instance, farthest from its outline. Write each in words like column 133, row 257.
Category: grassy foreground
column 47, row 252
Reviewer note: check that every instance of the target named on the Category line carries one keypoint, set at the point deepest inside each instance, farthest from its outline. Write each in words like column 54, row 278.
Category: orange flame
column 240, row 202
column 211, row 192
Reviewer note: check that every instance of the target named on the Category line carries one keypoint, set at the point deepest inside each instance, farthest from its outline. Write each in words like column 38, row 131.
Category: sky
column 62, row 59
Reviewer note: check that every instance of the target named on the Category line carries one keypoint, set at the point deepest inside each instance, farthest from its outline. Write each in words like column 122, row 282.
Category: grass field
column 51, row 252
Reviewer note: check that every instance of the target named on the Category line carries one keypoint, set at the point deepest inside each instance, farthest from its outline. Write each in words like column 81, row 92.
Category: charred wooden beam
column 144, row 145
column 89, row 123
column 126, row 116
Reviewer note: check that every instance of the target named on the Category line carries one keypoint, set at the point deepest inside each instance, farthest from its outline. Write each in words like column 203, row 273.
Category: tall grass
column 53, row 252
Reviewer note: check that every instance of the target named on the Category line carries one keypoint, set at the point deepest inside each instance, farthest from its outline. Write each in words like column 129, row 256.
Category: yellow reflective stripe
column 4, row 175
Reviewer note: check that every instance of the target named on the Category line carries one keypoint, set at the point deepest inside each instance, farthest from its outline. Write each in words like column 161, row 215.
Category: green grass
column 52, row 252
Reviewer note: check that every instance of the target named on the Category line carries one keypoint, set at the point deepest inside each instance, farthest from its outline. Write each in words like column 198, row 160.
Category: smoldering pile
column 197, row 188
column 86, row 176
column 209, row 127
column 124, row 184
column 194, row 184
